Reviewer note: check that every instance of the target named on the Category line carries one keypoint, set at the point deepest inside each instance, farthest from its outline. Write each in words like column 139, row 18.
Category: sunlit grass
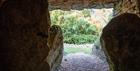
column 76, row 50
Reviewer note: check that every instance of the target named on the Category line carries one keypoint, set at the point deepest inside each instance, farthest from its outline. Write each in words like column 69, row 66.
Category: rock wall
column 55, row 42
column 24, row 26
column 80, row 4
column 29, row 44
column 127, row 6
column 121, row 36
column 120, row 41
column 98, row 51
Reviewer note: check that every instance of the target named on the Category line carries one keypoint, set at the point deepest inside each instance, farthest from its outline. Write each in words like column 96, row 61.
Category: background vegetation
column 76, row 29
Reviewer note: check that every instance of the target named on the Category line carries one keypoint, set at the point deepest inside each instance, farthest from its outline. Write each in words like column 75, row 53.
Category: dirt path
column 82, row 62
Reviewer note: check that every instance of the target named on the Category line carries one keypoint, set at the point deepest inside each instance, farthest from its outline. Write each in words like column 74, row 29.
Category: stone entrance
column 25, row 29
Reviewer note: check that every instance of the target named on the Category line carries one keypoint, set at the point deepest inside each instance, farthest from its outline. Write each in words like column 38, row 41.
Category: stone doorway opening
column 81, row 31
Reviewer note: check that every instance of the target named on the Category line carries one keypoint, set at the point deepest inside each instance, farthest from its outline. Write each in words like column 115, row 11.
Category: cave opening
column 29, row 43
column 81, row 31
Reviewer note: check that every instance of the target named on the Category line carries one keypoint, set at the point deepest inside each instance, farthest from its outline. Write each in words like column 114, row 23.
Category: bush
column 75, row 29
column 80, row 39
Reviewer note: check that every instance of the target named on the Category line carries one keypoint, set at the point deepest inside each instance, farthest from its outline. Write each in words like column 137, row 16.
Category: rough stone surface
column 127, row 6
column 98, row 51
column 120, row 6
column 24, row 32
column 55, row 42
column 120, row 40
column 26, row 42
column 80, row 4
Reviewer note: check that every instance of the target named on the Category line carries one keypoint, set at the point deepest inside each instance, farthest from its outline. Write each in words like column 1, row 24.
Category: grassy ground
column 76, row 50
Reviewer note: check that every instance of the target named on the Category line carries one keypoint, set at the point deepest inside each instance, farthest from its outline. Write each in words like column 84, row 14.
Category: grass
column 76, row 50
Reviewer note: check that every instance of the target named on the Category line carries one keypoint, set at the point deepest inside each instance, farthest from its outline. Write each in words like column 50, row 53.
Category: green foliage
column 56, row 16
column 79, row 39
column 86, row 12
column 75, row 29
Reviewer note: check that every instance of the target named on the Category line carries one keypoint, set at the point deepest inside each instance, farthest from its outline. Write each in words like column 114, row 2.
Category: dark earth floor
column 82, row 62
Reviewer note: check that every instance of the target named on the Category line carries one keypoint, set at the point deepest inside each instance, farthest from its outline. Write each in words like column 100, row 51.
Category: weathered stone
column 98, row 51
column 26, row 42
column 23, row 35
column 120, row 6
column 55, row 42
column 120, row 41
column 127, row 6
column 80, row 4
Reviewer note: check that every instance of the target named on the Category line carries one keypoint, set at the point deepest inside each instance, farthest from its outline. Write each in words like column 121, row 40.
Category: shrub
column 75, row 29
column 79, row 39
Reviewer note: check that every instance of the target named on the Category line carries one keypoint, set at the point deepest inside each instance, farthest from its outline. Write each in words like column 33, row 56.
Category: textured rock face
column 24, row 32
column 120, row 41
column 98, row 51
column 120, row 6
column 80, row 4
column 55, row 42
column 27, row 44
column 127, row 6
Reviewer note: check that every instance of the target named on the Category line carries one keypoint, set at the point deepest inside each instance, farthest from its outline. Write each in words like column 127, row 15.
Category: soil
column 82, row 62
